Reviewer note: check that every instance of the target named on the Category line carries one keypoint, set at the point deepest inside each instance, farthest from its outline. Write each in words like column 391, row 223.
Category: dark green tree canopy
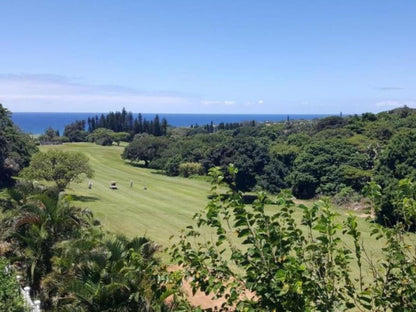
column 16, row 148
column 75, row 131
column 58, row 166
column 326, row 166
column 246, row 153
column 398, row 160
column 145, row 147
column 101, row 136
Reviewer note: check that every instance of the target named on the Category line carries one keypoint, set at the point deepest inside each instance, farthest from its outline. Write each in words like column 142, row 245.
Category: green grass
column 163, row 209
column 168, row 204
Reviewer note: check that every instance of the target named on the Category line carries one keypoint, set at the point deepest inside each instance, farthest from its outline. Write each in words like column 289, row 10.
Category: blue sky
column 208, row 56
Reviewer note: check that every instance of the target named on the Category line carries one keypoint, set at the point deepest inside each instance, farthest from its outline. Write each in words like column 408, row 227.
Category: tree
column 121, row 137
column 246, row 153
column 326, row 166
column 330, row 122
column 144, row 147
column 73, row 265
column 288, row 265
column 115, row 273
column 16, row 149
column 273, row 177
column 398, row 160
column 102, row 136
column 75, row 131
column 58, row 166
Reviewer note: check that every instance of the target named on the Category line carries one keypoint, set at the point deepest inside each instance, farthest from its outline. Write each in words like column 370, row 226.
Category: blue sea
column 37, row 123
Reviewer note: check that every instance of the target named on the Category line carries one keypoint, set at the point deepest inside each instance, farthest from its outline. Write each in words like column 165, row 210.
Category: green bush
column 10, row 299
column 295, row 267
column 190, row 168
column 346, row 196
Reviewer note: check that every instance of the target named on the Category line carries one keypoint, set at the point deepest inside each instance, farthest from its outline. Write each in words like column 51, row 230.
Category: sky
column 241, row 57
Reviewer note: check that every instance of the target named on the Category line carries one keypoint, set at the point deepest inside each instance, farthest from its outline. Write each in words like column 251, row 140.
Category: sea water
column 37, row 123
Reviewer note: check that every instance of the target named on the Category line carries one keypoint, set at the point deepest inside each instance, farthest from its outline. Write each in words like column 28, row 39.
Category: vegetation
column 16, row 149
column 312, row 158
column 57, row 166
column 265, row 257
column 125, row 122
column 71, row 264
column 166, row 206
column 144, row 147
column 280, row 265
column 75, row 132
column 10, row 299
column 50, row 136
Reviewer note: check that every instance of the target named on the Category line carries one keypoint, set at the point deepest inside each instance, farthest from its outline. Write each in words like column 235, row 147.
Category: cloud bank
column 51, row 93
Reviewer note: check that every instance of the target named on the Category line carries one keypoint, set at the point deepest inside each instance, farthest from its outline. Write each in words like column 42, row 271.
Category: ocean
column 37, row 123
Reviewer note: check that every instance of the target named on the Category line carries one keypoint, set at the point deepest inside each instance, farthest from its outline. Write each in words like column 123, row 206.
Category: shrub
column 10, row 299
column 290, row 266
column 190, row 168
column 346, row 196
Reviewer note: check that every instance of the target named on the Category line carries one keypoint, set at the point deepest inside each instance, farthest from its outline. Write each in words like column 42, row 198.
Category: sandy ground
column 200, row 299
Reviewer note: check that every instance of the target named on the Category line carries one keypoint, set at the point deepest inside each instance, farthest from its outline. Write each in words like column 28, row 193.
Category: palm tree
column 120, row 274
column 38, row 223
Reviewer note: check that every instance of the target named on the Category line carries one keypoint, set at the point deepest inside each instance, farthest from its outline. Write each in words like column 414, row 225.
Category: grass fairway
column 165, row 207
column 168, row 204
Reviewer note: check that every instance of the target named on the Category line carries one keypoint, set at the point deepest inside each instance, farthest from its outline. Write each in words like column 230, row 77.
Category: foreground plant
column 267, row 261
column 71, row 264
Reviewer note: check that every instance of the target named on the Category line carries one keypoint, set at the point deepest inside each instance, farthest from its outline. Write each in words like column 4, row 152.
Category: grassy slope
column 165, row 207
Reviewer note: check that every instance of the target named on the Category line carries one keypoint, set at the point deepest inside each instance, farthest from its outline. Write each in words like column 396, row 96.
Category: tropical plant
column 112, row 273
column 36, row 226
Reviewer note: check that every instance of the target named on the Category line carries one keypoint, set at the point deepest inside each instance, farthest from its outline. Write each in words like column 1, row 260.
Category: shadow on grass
column 84, row 199
column 138, row 164
column 248, row 199
column 161, row 172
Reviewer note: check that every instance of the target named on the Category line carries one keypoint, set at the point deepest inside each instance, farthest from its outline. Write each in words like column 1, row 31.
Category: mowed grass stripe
column 168, row 204
column 163, row 209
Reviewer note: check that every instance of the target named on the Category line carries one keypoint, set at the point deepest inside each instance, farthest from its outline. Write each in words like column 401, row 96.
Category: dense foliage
column 57, row 166
column 125, row 122
column 268, row 262
column 16, row 149
column 259, row 261
column 327, row 166
column 71, row 264
column 10, row 297
column 329, row 156
column 75, row 132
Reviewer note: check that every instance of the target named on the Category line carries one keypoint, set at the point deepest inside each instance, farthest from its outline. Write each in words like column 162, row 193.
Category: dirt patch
column 360, row 206
column 200, row 299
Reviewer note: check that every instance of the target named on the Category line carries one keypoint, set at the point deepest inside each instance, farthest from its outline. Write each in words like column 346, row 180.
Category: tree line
column 125, row 122
column 116, row 122
column 334, row 156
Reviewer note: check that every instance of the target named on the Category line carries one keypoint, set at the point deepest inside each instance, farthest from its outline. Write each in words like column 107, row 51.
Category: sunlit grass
column 167, row 205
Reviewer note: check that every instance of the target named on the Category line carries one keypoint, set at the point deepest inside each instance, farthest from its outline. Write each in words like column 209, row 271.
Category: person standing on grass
column 131, row 183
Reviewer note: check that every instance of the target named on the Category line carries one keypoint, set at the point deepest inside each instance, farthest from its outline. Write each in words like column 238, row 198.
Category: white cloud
column 260, row 102
column 389, row 88
column 57, row 93
column 211, row 102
